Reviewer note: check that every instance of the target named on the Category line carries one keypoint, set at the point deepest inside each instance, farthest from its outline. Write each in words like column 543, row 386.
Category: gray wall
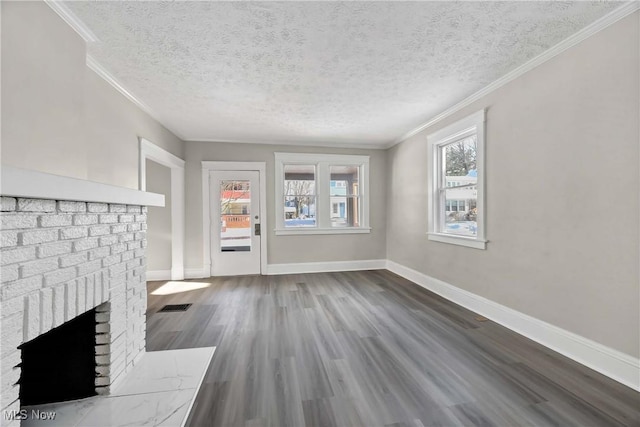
column 158, row 180
column 58, row 116
column 286, row 249
column 562, row 194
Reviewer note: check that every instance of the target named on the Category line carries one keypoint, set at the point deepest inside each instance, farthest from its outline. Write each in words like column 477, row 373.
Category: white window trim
column 473, row 124
column 323, row 199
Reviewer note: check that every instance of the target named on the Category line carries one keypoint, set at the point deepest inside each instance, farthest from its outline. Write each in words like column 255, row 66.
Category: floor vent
column 174, row 307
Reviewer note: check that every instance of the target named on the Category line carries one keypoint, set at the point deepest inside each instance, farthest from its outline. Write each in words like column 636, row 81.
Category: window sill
column 469, row 242
column 314, row 230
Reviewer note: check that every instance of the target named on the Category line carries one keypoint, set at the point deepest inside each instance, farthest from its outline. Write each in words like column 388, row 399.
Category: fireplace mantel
column 17, row 182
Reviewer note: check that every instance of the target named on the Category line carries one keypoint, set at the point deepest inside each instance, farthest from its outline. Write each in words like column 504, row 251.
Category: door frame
column 150, row 151
column 207, row 167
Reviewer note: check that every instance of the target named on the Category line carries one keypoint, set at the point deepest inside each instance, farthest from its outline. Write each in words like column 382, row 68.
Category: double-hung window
column 456, row 189
column 321, row 193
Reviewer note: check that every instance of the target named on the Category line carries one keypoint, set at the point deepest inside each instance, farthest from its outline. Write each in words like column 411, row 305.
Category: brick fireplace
column 60, row 259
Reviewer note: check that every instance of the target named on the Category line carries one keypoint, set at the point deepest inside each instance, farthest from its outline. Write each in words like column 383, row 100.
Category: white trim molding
column 322, row 164
column 611, row 18
column 325, row 267
column 614, row 364
column 39, row 185
column 472, row 125
column 150, row 151
column 155, row 275
column 207, row 167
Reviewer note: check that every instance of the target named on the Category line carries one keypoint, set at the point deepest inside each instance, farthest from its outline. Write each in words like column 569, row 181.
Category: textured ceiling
column 317, row 72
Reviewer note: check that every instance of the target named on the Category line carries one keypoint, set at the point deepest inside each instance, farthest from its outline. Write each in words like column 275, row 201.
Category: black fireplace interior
column 61, row 364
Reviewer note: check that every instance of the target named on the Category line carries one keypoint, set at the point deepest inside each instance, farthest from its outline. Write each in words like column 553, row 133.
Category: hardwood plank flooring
column 371, row 349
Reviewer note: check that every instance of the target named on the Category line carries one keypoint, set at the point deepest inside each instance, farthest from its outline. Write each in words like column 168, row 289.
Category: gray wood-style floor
column 371, row 349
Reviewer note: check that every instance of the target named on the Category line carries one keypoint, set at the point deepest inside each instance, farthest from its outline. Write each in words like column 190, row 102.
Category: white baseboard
column 324, row 267
column 153, row 275
column 195, row 273
column 612, row 363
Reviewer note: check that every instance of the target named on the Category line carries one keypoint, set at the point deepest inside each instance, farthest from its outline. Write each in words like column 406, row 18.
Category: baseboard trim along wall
column 324, row 267
column 612, row 363
column 153, row 275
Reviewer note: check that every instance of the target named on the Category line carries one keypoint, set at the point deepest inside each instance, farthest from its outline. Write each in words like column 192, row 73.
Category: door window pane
column 299, row 196
column 235, row 216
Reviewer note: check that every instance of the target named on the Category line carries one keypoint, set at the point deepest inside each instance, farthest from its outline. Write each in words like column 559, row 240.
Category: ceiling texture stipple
column 361, row 73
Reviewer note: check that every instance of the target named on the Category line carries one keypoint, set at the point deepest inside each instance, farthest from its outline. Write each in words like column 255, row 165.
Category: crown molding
column 611, row 18
column 72, row 20
column 310, row 144
column 109, row 78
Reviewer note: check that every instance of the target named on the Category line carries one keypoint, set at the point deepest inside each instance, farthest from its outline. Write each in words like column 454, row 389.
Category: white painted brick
column 119, row 228
column 133, row 264
column 108, row 218
column 140, row 271
column 124, row 238
column 74, row 259
column 102, row 381
column 73, row 233
column 55, row 220
column 117, row 269
column 46, row 310
column 36, row 237
column 144, row 244
column 38, row 267
column 139, row 253
column 97, row 293
column 140, row 235
column 58, row 305
column 70, row 306
column 99, row 230
column 89, row 267
column 97, row 207
column 89, row 296
column 9, row 397
column 102, row 317
column 36, row 205
column 32, row 317
column 20, row 287
column 134, row 245
column 12, row 306
column 7, row 204
column 126, row 218
column 53, row 249
column 119, row 248
column 85, row 219
column 103, row 339
column 21, row 254
column 10, row 378
column 59, row 276
column 102, row 328
column 141, row 218
column 133, row 209
column 85, row 244
column 135, row 226
column 118, row 208
column 82, row 298
column 13, row 221
column 110, row 260
column 143, row 226
column 8, row 238
column 102, row 371
column 9, row 273
column 108, row 240
column 65, row 206
column 127, row 256
column 103, row 350
column 10, row 362
column 143, row 209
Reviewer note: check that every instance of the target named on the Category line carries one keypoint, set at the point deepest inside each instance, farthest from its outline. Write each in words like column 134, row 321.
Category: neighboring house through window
column 321, row 193
column 456, row 189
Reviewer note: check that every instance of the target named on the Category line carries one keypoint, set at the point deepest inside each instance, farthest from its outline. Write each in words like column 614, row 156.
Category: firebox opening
column 61, row 364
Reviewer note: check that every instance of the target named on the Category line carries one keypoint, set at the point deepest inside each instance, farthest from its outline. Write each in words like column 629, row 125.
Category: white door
column 235, row 222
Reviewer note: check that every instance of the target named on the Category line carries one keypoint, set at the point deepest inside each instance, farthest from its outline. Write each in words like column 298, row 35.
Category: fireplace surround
column 61, row 258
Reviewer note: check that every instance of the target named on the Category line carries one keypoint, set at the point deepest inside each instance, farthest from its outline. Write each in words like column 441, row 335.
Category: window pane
column 461, row 213
column 235, row 210
column 344, row 180
column 299, row 180
column 460, row 160
column 346, row 211
column 299, row 211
